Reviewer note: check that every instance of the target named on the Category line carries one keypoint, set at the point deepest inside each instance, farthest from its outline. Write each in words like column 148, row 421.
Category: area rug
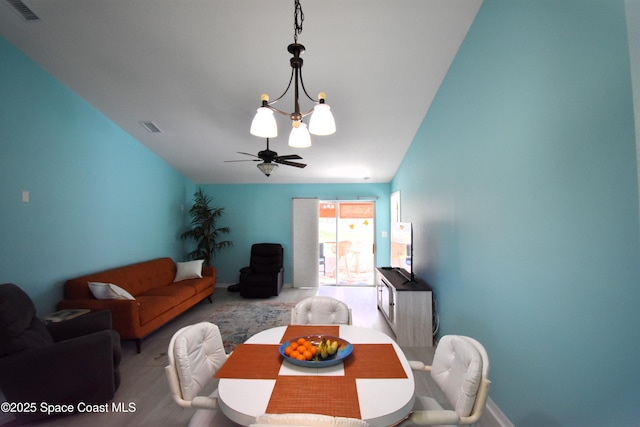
column 240, row 320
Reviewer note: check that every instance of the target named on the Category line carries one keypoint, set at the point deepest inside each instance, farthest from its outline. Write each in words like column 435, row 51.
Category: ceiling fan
column 269, row 159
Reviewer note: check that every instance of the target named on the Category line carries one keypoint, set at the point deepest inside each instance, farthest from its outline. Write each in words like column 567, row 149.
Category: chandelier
column 321, row 121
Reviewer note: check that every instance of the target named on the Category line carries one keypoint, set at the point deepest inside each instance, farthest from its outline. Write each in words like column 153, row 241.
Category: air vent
column 151, row 127
column 23, row 10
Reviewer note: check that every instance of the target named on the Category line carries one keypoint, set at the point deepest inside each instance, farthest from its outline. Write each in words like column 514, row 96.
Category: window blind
column 305, row 246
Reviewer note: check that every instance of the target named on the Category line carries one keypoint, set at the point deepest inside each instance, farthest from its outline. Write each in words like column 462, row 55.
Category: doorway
column 346, row 232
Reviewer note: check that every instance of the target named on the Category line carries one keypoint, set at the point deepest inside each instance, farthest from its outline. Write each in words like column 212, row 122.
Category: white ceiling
column 196, row 68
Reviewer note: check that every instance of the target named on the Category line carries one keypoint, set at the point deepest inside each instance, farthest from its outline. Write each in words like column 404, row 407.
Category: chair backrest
column 266, row 257
column 195, row 354
column 319, row 310
column 20, row 328
column 483, row 355
column 459, row 366
column 344, row 247
column 307, row 420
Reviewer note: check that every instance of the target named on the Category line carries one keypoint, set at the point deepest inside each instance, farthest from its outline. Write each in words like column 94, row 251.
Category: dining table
column 373, row 383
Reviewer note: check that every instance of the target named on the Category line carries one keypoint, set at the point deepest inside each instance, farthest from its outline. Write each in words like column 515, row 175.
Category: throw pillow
column 188, row 270
column 108, row 291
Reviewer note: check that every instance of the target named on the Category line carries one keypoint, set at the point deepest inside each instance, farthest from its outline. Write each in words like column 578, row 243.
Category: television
column 402, row 249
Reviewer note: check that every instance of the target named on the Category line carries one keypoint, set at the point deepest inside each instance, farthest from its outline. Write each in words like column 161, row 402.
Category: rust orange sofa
column 158, row 299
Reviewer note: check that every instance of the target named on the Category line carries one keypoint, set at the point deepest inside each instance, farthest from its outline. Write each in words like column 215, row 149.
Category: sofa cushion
column 177, row 291
column 152, row 306
column 199, row 285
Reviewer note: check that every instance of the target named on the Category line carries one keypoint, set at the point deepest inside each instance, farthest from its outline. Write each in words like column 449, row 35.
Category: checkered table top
column 309, row 390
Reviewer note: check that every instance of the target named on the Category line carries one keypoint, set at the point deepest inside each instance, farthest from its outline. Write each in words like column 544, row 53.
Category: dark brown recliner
column 61, row 363
column 263, row 277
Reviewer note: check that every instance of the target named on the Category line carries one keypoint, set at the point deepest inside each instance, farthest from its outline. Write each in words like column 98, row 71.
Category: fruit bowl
column 342, row 351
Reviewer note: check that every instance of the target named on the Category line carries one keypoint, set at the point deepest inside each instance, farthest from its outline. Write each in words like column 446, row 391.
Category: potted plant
column 204, row 229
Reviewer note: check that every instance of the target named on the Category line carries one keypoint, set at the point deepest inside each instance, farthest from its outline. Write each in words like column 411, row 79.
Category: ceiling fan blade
column 285, row 162
column 247, row 154
column 290, row 157
column 248, row 160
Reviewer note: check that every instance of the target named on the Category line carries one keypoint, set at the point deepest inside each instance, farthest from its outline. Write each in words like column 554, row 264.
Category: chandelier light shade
column 299, row 136
column 264, row 124
column 267, row 168
column 321, row 121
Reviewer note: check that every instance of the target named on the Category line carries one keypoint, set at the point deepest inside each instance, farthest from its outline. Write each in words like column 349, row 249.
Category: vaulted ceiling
column 196, row 69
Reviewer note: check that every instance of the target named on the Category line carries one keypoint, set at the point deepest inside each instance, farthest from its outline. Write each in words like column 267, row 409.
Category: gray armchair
column 61, row 363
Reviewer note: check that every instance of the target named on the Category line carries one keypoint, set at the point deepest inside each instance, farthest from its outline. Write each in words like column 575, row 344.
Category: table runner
column 295, row 331
column 327, row 395
column 252, row 361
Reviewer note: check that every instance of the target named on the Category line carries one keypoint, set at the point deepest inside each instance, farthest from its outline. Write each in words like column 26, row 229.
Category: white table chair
column 321, row 310
column 460, row 369
column 195, row 354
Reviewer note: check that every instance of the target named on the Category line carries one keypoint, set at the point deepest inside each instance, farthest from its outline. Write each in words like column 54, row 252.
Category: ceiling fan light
column 267, row 168
column 322, row 121
column 299, row 136
column 264, row 124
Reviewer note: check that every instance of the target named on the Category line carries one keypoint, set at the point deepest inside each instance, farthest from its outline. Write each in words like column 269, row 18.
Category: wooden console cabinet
column 407, row 307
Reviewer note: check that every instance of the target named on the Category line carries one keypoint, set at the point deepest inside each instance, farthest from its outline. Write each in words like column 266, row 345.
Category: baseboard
column 223, row 285
column 497, row 414
column 226, row 285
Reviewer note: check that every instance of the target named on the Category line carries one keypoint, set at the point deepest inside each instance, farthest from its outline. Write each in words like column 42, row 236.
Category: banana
column 322, row 350
column 324, row 354
column 333, row 348
column 326, row 349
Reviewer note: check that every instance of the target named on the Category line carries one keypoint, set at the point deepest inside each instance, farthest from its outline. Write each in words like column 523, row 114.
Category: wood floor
column 144, row 383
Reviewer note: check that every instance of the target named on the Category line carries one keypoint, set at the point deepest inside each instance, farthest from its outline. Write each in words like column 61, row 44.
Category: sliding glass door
column 346, row 243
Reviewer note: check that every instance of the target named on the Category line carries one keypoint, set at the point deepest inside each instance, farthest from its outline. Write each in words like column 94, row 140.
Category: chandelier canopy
column 321, row 121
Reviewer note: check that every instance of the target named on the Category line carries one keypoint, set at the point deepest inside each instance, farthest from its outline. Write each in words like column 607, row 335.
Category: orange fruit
column 293, row 345
column 288, row 351
column 301, row 341
column 307, row 355
column 294, row 354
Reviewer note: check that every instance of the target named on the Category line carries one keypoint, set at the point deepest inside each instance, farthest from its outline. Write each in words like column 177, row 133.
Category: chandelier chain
column 298, row 18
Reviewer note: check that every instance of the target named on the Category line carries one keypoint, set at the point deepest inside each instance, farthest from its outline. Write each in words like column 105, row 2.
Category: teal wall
column 522, row 185
column 98, row 198
column 262, row 213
